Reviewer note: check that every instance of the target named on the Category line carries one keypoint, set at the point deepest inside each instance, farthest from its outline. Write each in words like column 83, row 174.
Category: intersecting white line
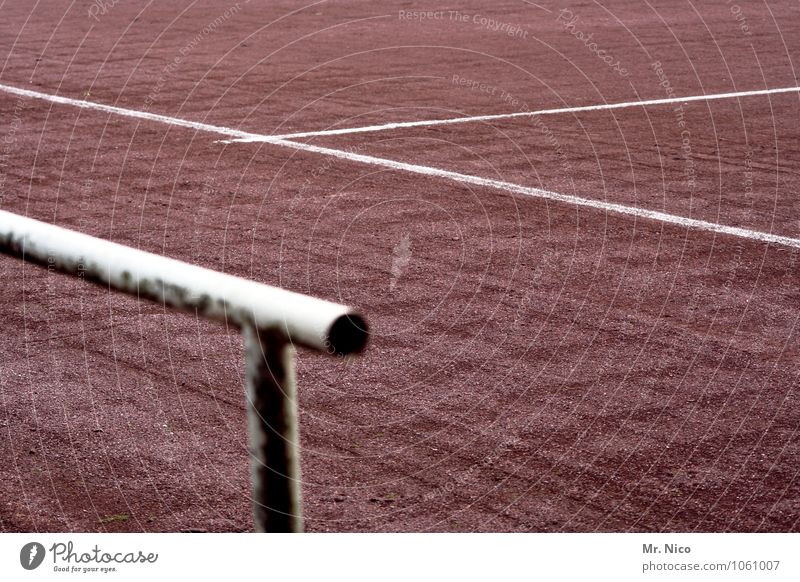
column 690, row 223
column 136, row 114
column 685, row 222
column 454, row 120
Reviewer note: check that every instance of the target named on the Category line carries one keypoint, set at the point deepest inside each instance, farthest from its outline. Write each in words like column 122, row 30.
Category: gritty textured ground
column 533, row 366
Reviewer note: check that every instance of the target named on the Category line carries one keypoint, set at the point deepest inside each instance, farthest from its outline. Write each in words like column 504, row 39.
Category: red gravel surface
column 533, row 366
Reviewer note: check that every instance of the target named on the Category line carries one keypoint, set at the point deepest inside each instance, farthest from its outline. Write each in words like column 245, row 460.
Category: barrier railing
column 272, row 320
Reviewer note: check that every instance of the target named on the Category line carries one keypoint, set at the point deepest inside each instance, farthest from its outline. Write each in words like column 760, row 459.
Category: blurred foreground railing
column 272, row 320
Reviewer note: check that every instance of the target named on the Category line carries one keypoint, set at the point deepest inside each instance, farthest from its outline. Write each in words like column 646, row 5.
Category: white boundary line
column 689, row 223
column 451, row 121
column 129, row 112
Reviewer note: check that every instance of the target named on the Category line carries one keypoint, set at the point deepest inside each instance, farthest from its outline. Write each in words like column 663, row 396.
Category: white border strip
column 689, row 223
column 144, row 115
column 430, row 122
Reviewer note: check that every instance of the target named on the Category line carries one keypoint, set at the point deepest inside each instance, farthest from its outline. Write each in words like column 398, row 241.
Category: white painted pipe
column 307, row 321
column 273, row 421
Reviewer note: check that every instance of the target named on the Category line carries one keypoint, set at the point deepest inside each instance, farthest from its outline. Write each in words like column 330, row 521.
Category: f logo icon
column 31, row 556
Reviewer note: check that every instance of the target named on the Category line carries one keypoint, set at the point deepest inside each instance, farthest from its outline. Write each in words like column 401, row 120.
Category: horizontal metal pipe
column 306, row 321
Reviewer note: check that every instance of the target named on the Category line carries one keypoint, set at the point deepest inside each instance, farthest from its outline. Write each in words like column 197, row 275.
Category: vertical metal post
column 273, row 432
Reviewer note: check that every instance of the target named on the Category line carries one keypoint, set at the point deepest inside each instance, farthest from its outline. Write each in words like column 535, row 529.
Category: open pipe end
column 348, row 334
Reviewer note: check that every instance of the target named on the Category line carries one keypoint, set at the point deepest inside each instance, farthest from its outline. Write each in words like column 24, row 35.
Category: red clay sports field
column 574, row 230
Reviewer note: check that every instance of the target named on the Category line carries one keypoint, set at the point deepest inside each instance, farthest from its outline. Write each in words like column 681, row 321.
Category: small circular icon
column 31, row 555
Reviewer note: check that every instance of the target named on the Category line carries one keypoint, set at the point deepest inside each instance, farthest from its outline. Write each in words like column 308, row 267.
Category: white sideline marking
column 430, row 122
column 129, row 112
column 689, row 223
